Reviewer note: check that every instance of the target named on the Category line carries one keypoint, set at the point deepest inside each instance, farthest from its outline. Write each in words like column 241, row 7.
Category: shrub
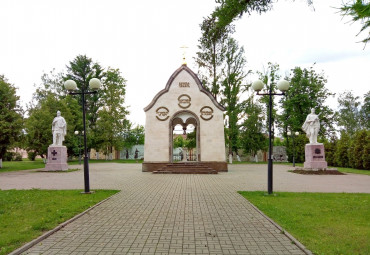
column 8, row 156
column 17, row 157
column 31, row 155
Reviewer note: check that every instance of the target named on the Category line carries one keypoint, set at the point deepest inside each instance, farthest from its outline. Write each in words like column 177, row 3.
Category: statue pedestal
column 315, row 157
column 57, row 158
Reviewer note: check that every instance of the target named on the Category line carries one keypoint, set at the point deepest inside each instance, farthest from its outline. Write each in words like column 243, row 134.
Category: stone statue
column 59, row 128
column 312, row 126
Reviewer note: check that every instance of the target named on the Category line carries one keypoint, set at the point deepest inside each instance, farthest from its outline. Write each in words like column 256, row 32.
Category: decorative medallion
column 184, row 101
column 162, row 113
column 206, row 113
column 317, row 151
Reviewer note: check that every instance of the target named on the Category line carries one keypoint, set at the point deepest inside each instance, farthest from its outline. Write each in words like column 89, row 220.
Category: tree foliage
column 359, row 10
column 133, row 136
column 112, row 115
column 252, row 137
column 231, row 10
column 270, row 77
column 348, row 114
column 11, row 117
column 365, row 112
column 38, row 124
column 307, row 90
column 105, row 111
column 231, row 89
column 211, row 54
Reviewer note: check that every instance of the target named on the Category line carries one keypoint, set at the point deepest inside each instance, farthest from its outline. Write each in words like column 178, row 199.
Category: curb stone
column 60, row 226
column 295, row 241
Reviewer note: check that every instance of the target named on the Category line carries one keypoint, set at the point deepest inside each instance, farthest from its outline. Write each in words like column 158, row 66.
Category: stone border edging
column 296, row 242
column 60, row 226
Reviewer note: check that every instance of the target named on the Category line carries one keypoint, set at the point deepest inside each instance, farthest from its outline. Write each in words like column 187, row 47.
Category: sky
column 144, row 38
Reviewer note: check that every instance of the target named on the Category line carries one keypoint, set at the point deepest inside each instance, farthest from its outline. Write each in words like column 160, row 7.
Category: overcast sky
column 143, row 39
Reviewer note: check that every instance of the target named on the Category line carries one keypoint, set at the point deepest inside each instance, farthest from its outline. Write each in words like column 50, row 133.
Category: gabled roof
column 198, row 82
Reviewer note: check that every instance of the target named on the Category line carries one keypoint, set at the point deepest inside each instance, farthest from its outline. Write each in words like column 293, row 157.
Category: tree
column 341, row 152
column 231, row 89
column 359, row 10
column 365, row 112
column 38, row 124
column 231, row 10
column 82, row 69
column 111, row 120
column 359, row 150
column 11, row 118
column 348, row 114
column 307, row 90
column 252, row 138
column 330, row 146
column 270, row 77
column 133, row 136
column 211, row 54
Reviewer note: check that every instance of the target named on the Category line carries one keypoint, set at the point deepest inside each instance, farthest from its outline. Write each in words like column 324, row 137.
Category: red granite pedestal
column 315, row 157
column 57, row 159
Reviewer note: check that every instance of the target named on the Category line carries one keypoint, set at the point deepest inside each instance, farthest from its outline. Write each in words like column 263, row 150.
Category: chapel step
column 185, row 168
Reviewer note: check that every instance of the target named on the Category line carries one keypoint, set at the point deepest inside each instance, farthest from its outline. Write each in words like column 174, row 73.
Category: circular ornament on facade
column 162, row 113
column 206, row 113
column 317, row 151
column 184, row 101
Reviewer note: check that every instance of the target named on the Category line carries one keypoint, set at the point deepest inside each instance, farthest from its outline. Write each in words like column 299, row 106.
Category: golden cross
column 184, row 54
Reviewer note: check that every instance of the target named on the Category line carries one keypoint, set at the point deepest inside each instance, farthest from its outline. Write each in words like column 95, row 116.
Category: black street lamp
column 94, row 85
column 258, row 85
column 293, row 134
column 79, row 144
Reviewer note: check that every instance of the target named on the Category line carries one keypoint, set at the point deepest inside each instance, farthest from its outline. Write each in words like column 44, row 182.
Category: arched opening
column 184, row 137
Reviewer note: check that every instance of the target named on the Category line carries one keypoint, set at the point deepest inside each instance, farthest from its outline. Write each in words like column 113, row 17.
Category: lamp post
column 79, row 144
column 71, row 86
column 291, row 134
column 283, row 86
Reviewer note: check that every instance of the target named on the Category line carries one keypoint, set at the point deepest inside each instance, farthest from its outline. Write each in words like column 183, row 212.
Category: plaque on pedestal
column 57, row 158
column 315, row 157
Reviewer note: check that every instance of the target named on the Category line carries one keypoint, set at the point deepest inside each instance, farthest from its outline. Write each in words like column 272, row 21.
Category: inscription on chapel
column 184, row 84
column 206, row 113
column 162, row 113
column 184, row 101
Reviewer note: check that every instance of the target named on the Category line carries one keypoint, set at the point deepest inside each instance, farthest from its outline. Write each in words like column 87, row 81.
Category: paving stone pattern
column 167, row 214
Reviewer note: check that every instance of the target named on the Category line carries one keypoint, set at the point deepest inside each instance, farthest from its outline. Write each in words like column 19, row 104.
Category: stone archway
column 184, row 118
column 184, row 101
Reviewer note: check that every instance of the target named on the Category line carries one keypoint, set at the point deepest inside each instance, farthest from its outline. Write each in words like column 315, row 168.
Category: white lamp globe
column 70, row 85
column 76, row 132
column 288, row 133
column 297, row 133
column 283, row 85
column 94, row 84
column 258, row 85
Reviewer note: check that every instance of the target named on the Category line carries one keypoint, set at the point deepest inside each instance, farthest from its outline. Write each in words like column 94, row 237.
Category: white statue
column 312, row 126
column 59, row 128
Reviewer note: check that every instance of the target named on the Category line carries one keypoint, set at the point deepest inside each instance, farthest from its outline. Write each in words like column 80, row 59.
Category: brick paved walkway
column 172, row 214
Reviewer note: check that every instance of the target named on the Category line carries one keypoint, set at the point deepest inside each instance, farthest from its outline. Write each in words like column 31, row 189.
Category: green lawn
column 326, row 223
column 340, row 169
column 92, row 161
column 25, row 164
column 26, row 214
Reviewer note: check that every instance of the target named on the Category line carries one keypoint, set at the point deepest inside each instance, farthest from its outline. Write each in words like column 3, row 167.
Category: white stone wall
column 157, row 133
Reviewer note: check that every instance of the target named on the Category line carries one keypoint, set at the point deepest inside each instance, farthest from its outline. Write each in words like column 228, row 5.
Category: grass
column 25, row 164
column 340, row 169
column 352, row 170
column 122, row 161
column 326, row 223
column 26, row 214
